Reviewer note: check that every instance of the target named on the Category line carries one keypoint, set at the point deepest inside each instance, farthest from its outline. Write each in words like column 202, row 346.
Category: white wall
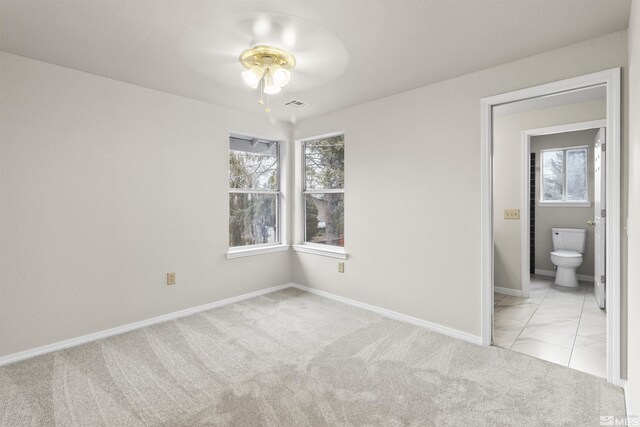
column 633, row 383
column 105, row 187
column 548, row 217
column 412, row 190
column 507, row 185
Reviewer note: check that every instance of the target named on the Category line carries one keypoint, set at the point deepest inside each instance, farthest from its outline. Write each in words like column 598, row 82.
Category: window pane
column 577, row 174
column 253, row 165
column 324, row 163
column 552, row 175
column 252, row 219
column 325, row 218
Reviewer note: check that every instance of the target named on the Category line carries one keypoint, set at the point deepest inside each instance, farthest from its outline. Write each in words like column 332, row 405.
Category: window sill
column 239, row 253
column 332, row 252
column 564, row 204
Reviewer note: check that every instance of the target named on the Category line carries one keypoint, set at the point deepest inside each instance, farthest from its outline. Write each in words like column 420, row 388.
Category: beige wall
column 633, row 383
column 548, row 217
column 412, row 202
column 105, row 187
column 507, row 173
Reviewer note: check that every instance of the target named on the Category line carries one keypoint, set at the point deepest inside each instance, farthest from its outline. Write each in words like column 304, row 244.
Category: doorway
column 610, row 80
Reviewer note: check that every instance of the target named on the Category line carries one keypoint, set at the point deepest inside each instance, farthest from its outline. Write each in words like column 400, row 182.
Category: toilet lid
column 567, row 254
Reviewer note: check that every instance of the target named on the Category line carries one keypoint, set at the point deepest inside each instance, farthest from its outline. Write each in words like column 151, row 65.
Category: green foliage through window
column 324, row 190
column 253, row 191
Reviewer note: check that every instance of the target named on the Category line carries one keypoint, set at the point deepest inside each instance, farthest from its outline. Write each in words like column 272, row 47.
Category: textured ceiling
column 392, row 45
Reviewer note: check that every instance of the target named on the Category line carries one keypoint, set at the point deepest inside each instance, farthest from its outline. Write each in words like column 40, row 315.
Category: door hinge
column 604, row 147
column 603, row 279
column 603, row 213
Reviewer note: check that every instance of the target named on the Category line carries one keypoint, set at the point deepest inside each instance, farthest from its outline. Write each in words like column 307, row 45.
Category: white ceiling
column 392, row 45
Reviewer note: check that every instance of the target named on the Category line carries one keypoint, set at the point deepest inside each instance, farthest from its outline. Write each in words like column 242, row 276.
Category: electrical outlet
column 512, row 214
column 171, row 278
column 341, row 267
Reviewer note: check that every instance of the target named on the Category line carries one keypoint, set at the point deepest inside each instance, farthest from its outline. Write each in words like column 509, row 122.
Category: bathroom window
column 323, row 190
column 254, row 192
column 564, row 176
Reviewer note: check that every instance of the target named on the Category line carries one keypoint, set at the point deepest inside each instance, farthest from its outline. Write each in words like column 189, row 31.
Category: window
column 323, row 190
column 564, row 176
column 254, row 192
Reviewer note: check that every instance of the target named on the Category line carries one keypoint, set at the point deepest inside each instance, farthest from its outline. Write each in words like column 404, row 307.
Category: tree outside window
column 254, row 191
column 564, row 175
column 324, row 190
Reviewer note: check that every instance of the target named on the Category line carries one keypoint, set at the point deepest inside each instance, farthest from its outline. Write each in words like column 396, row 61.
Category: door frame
column 525, row 188
column 611, row 80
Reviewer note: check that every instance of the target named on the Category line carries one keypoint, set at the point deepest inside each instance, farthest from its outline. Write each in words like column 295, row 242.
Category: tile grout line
column 529, row 319
column 576, row 334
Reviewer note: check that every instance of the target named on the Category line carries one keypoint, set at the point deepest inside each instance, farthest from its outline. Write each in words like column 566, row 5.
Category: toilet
column 568, row 247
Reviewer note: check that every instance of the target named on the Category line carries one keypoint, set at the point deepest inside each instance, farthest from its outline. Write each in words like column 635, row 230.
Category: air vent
column 295, row 104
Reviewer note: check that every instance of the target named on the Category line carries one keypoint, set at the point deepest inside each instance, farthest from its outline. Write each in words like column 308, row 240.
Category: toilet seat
column 567, row 254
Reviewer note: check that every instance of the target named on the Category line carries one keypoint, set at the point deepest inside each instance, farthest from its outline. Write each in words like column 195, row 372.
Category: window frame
column 334, row 251
column 260, row 248
column 564, row 202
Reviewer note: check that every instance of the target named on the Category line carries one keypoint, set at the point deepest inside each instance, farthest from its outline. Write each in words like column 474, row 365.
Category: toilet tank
column 569, row 239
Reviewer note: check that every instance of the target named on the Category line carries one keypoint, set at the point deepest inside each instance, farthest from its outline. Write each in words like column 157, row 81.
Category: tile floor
column 558, row 324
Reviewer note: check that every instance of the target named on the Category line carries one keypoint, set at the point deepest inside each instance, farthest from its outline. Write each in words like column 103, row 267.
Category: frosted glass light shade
column 252, row 76
column 281, row 76
column 269, row 86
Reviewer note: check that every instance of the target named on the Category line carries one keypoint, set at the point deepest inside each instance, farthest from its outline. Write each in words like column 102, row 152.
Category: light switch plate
column 512, row 214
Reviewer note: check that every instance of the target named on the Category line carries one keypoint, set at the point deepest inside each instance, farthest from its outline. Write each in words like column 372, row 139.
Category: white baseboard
column 507, row 291
column 15, row 357
column 450, row 332
column 549, row 273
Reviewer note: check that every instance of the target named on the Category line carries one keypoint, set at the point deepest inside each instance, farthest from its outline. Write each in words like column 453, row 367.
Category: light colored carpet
column 295, row 359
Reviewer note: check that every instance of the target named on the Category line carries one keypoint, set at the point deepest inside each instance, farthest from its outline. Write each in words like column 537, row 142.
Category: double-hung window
column 254, row 192
column 564, row 176
column 323, row 190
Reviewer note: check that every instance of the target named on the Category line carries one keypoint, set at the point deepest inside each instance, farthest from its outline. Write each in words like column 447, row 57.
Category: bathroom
column 545, row 265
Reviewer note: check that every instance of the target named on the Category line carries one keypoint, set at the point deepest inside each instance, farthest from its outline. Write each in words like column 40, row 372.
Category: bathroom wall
column 547, row 217
column 507, row 184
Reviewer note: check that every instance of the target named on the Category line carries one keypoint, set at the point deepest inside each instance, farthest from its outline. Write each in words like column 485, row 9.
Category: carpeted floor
column 295, row 359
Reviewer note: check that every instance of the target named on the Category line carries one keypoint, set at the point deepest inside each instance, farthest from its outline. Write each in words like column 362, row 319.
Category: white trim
column 508, row 291
column 329, row 251
column 525, row 223
column 239, row 253
column 550, row 273
column 450, row 332
column 627, row 395
column 73, row 342
column 610, row 78
column 549, row 204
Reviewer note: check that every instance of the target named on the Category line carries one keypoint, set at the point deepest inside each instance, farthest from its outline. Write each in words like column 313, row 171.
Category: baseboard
column 549, row 273
column 450, row 332
column 507, row 291
column 15, row 357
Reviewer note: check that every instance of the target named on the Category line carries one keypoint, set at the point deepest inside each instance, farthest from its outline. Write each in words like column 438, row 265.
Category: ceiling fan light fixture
column 268, row 64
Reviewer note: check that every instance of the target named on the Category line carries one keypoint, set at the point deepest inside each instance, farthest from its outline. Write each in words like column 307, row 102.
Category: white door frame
column 611, row 79
column 525, row 185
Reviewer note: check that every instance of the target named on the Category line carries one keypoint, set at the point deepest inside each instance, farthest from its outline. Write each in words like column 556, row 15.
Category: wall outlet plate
column 171, row 278
column 341, row 267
